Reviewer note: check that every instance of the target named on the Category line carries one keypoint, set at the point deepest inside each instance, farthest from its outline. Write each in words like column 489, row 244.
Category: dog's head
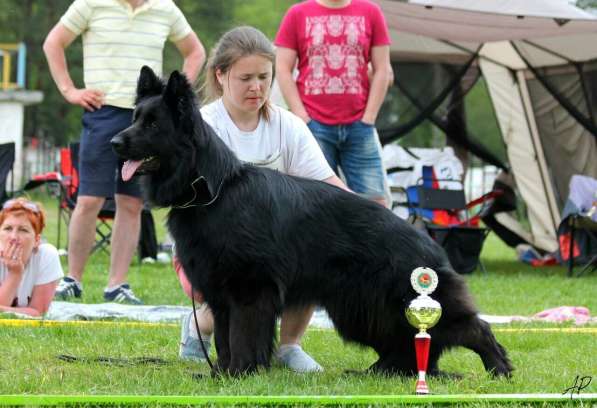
column 162, row 128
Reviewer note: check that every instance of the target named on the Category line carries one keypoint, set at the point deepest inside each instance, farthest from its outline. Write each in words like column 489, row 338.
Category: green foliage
column 587, row 4
column 59, row 122
column 29, row 21
column 481, row 121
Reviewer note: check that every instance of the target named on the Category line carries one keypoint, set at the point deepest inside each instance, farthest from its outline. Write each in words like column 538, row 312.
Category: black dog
column 256, row 241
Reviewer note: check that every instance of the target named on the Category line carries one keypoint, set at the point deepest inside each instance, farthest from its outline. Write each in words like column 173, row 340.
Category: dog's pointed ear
column 179, row 97
column 148, row 84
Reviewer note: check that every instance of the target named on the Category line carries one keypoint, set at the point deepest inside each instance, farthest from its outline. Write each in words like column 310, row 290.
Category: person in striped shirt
column 119, row 37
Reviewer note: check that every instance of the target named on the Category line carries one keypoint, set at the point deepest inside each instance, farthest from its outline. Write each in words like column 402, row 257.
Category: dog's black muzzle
column 117, row 143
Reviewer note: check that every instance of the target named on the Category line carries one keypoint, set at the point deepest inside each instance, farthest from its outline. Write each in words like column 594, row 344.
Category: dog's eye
column 153, row 124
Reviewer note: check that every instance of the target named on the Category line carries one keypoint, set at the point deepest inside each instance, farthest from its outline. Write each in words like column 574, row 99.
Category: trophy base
column 421, row 386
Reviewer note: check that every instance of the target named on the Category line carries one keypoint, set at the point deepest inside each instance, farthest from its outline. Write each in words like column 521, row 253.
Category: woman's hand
column 12, row 257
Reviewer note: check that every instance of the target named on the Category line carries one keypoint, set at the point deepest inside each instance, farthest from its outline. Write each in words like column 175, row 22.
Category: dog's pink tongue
column 128, row 169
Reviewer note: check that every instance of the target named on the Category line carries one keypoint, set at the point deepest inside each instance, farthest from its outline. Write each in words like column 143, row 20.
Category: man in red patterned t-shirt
column 334, row 41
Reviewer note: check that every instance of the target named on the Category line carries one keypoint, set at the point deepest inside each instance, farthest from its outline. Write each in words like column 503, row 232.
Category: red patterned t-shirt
column 334, row 48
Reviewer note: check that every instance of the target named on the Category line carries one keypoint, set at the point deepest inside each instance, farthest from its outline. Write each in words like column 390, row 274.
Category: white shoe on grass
column 295, row 358
column 190, row 348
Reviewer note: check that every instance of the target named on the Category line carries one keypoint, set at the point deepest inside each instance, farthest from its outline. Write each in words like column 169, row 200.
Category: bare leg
column 294, row 323
column 205, row 320
column 380, row 200
column 81, row 234
column 292, row 326
column 125, row 237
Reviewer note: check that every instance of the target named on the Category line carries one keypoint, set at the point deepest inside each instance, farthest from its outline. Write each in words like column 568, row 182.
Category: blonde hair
column 235, row 44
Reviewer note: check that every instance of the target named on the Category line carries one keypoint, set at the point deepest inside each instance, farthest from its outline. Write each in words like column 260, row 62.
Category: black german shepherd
column 255, row 241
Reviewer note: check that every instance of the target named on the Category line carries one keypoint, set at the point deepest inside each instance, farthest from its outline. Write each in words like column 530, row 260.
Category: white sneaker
column 164, row 258
column 295, row 358
column 190, row 348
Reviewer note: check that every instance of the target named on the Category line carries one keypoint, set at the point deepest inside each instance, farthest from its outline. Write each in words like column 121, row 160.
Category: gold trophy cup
column 423, row 313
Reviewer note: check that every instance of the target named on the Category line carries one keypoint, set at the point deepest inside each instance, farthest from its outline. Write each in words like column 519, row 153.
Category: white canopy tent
column 521, row 47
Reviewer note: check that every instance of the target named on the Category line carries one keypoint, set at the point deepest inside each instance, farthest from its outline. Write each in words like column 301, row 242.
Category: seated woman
column 29, row 270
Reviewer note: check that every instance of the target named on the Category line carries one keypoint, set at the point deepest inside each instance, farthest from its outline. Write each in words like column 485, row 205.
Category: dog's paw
column 218, row 370
column 502, row 370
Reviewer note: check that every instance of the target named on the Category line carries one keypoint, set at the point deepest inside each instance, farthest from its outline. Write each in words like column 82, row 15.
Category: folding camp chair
column 7, row 160
column 69, row 167
column 579, row 224
column 446, row 216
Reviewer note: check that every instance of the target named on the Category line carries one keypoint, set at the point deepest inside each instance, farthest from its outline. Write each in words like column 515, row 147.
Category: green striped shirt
column 118, row 41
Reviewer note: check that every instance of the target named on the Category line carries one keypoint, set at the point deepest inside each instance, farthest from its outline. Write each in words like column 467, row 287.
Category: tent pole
column 538, row 149
column 548, row 51
column 567, row 105
column 577, row 65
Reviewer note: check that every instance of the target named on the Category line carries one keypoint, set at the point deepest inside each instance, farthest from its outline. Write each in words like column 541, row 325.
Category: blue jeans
column 353, row 148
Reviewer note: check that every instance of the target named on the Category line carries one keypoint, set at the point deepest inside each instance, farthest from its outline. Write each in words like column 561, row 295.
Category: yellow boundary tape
column 60, row 323
column 104, row 323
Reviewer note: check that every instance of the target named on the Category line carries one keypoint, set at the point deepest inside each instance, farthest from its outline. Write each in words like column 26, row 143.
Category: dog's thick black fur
column 256, row 241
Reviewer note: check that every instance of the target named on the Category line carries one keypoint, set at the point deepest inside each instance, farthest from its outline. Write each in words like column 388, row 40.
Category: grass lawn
column 545, row 361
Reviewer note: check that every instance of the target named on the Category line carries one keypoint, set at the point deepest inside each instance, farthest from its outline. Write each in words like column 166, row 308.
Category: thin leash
column 189, row 204
column 199, row 334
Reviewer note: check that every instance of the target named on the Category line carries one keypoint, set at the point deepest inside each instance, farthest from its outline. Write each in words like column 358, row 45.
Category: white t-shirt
column 43, row 267
column 285, row 134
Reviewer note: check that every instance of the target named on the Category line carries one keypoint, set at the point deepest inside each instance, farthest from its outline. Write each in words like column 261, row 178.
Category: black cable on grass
column 114, row 360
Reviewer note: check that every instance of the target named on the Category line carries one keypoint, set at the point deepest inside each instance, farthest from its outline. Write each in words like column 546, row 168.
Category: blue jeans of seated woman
column 353, row 148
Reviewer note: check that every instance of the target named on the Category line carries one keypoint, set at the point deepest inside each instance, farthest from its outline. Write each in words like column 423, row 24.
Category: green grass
column 545, row 362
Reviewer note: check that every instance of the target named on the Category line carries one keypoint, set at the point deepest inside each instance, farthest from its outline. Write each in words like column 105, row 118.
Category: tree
column 29, row 21
column 587, row 4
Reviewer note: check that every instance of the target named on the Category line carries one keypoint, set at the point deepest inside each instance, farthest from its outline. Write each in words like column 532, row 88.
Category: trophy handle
column 422, row 345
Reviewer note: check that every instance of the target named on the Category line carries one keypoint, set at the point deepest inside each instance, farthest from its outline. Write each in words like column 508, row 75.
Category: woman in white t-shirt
column 29, row 270
column 237, row 87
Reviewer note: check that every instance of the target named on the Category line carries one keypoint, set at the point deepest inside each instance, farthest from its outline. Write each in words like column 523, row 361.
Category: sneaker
column 122, row 294
column 295, row 358
column 68, row 288
column 190, row 348
column 164, row 258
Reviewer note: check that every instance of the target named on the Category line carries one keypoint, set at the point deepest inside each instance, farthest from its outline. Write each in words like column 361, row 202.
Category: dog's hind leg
column 476, row 335
column 481, row 340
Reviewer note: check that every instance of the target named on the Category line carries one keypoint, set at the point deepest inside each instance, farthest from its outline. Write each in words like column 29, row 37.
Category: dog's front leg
column 252, row 335
column 221, row 338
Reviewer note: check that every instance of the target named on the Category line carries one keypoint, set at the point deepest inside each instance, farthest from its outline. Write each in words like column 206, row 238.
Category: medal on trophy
column 423, row 313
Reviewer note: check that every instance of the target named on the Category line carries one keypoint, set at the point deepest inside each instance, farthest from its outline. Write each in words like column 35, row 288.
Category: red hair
column 19, row 206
